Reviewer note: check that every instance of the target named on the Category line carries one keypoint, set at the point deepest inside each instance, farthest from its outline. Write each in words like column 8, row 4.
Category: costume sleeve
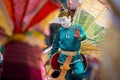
column 2, row 49
column 55, row 44
column 82, row 33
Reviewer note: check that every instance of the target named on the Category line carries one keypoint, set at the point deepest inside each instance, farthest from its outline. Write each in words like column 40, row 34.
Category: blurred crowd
column 93, row 70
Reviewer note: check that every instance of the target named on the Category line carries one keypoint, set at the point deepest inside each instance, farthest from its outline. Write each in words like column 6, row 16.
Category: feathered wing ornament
column 5, row 22
column 16, row 10
column 25, row 15
column 47, row 7
column 19, row 8
column 32, row 11
column 44, row 11
column 8, row 6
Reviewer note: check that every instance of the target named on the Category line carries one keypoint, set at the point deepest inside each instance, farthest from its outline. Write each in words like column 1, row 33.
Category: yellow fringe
column 34, row 39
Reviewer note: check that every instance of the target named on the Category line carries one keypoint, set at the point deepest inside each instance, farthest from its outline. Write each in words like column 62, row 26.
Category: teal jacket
column 65, row 40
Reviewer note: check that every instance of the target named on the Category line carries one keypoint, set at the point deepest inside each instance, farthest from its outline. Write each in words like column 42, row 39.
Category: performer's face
column 65, row 22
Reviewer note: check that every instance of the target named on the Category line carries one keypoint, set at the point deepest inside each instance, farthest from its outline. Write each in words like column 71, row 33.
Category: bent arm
column 55, row 45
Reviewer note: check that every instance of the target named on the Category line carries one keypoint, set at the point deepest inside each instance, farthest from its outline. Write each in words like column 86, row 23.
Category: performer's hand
column 77, row 33
column 47, row 62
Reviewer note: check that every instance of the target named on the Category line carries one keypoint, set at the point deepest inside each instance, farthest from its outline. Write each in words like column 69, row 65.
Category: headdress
column 64, row 13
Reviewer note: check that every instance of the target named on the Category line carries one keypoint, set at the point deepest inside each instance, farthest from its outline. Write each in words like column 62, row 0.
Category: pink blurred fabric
column 22, row 62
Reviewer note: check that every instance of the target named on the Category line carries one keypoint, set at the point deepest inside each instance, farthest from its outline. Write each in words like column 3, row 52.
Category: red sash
column 55, row 64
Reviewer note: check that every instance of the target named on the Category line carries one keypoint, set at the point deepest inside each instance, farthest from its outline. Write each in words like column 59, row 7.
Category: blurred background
column 97, row 17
